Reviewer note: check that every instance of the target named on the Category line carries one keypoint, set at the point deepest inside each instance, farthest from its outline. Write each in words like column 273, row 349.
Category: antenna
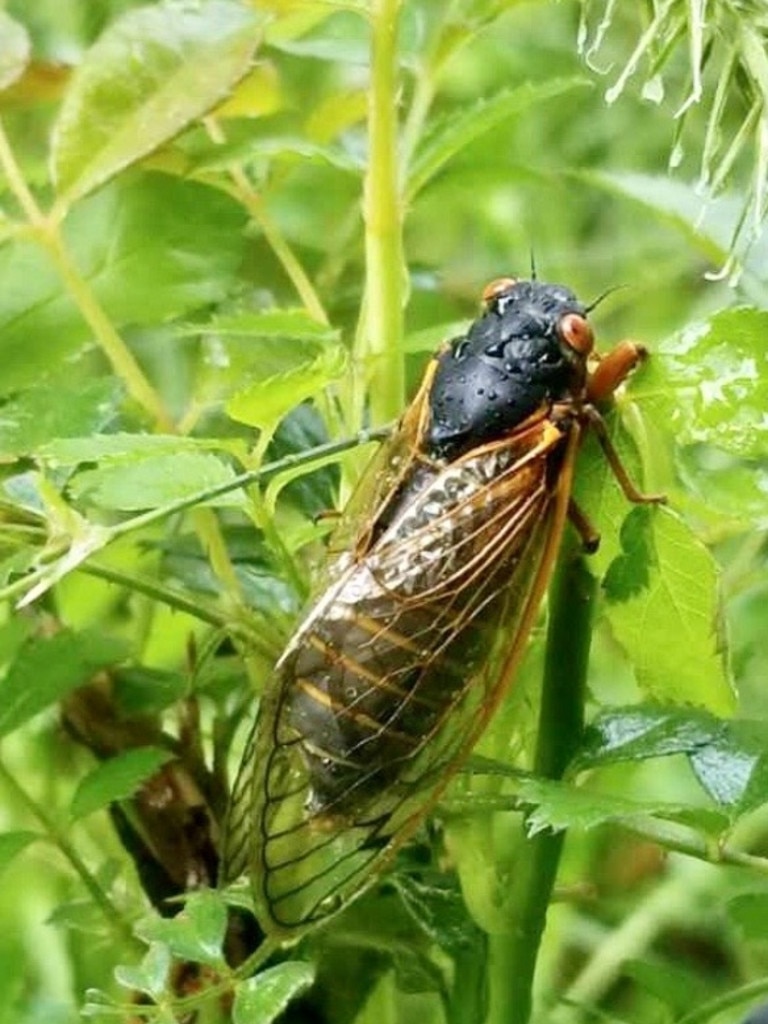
column 604, row 295
column 533, row 265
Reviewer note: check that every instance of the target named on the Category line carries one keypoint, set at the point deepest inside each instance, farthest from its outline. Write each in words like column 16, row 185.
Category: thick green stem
column 379, row 342
column 513, row 954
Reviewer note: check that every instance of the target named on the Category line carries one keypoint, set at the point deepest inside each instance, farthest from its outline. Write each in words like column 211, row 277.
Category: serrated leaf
column 151, row 975
column 14, row 843
column 295, row 324
column 558, row 806
column 116, row 779
column 459, row 129
column 272, row 149
column 190, row 258
column 264, row 402
column 668, row 623
column 47, row 668
column 261, row 999
column 710, row 383
column 155, row 481
column 56, row 410
column 15, row 50
column 439, row 909
column 154, row 71
column 196, row 933
column 119, row 448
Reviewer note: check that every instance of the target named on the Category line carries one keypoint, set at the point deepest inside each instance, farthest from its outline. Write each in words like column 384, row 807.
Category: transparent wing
column 389, row 681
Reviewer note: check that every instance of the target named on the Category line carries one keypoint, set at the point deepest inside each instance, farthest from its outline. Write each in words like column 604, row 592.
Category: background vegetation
column 231, row 236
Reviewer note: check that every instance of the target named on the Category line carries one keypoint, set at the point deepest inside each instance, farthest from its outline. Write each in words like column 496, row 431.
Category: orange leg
column 629, row 490
column 613, row 369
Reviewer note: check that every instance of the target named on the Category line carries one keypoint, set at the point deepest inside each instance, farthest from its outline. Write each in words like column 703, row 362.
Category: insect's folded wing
column 384, row 690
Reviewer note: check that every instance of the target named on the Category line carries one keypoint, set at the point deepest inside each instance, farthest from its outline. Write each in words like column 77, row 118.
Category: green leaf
column 439, row 909
column 121, row 449
column 190, row 258
column 56, row 410
column 295, row 324
column 274, row 149
column 196, row 933
column 429, row 339
column 559, row 806
column 729, row 758
column 749, row 912
column 14, row 50
column 156, row 481
column 154, row 71
column 662, row 604
column 264, row 402
column 677, row 989
column 646, row 730
column 150, row 975
column 458, row 129
column 47, row 668
column 140, row 690
column 710, row 383
column 261, row 999
column 116, row 779
column 12, row 844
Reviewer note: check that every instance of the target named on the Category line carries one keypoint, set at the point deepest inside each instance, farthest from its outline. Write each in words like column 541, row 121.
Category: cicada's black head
column 530, row 347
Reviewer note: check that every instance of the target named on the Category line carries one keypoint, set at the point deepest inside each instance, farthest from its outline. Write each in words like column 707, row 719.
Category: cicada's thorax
column 386, row 653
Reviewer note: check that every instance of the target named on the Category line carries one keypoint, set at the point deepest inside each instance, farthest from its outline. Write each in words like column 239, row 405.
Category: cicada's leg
column 629, row 490
column 590, row 538
column 610, row 372
column 613, row 369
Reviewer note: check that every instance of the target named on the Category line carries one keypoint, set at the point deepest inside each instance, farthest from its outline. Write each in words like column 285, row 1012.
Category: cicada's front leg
column 612, row 370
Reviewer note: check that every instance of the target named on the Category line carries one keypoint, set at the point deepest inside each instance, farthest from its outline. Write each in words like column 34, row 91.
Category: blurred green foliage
column 215, row 263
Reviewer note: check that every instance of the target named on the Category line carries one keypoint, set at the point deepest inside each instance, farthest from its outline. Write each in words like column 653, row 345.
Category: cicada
column 410, row 646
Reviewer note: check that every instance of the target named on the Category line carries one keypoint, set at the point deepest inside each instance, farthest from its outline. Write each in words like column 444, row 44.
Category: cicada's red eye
column 576, row 331
column 496, row 288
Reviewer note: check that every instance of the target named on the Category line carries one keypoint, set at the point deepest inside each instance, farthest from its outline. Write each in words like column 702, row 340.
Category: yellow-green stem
column 114, row 348
column 380, row 340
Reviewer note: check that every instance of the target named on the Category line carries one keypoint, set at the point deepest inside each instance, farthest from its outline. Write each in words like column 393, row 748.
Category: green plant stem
column 114, row 348
column 379, row 343
column 513, row 954
column 677, row 899
column 48, row 559
column 60, row 840
column 243, row 191
column 47, row 231
column 17, row 182
column 709, row 1011
column 220, row 619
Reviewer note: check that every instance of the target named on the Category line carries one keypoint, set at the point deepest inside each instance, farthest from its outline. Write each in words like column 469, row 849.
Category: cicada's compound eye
column 496, row 288
column 576, row 331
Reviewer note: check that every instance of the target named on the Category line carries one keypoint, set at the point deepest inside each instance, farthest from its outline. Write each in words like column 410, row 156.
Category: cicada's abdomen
column 388, row 655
